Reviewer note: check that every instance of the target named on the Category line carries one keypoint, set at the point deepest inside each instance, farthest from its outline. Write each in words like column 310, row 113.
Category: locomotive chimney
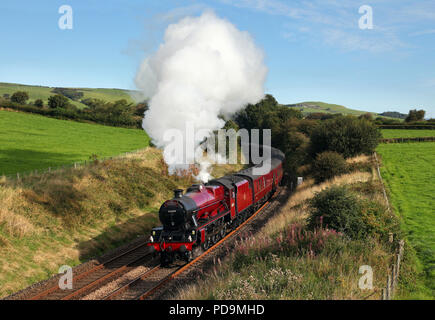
column 178, row 193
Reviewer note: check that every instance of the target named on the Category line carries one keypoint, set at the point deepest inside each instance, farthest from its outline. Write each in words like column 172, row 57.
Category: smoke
column 204, row 68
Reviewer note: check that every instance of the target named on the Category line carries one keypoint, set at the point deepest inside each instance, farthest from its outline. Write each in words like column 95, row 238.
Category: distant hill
column 41, row 92
column 394, row 114
column 317, row 106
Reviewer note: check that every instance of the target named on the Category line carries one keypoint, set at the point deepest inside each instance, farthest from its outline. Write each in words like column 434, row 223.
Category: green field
column 399, row 133
column 29, row 142
column 40, row 92
column 408, row 170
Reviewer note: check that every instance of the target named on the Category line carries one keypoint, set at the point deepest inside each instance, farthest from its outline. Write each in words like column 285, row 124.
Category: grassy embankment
column 43, row 93
column 68, row 216
column 408, row 170
column 29, row 142
column 288, row 261
column 398, row 133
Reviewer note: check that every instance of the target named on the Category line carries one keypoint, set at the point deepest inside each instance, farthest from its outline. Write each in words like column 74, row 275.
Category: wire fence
column 393, row 274
column 74, row 165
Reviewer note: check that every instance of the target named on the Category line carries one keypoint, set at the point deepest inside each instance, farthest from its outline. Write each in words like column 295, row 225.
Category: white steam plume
column 205, row 67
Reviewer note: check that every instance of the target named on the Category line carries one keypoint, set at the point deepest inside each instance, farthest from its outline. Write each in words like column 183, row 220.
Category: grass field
column 40, row 92
column 29, row 142
column 398, row 133
column 408, row 170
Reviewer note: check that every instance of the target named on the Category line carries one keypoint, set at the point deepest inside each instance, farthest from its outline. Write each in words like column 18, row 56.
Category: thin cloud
column 336, row 22
column 423, row 32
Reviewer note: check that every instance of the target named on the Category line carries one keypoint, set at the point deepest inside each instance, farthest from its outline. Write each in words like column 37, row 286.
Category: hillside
column 43, row 93
column 29, row 142
column 316, row 106
column 68, row 216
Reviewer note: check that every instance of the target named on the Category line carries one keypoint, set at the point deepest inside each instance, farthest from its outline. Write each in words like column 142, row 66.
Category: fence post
column 389, row 287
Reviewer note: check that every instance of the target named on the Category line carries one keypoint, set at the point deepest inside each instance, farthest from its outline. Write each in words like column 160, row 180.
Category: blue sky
column 314, row 49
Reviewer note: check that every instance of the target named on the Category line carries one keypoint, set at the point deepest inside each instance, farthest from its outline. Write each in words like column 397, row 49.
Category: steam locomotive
column 204, row 214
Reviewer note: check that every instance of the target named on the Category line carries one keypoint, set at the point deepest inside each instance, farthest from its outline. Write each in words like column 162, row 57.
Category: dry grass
column 359, row 159
column 295, row 208
column 67, row 216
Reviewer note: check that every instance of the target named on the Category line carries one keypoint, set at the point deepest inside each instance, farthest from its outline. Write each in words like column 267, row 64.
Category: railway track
column 152, row 278
column 89, row 280
column 148, row 283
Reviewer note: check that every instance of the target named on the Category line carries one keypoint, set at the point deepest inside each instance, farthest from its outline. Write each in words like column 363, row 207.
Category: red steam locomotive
column 207, row 212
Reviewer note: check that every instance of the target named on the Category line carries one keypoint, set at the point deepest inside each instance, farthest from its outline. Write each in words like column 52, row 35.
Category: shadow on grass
column 104, row 245
column 22, row 160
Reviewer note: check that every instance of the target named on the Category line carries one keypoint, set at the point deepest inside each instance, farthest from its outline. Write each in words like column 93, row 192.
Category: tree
column 39, row 103
column 141, row 108
column 58, row 101
column 6, row 96
column 20, row 97
column 415, row 115
column 265, row 114
column 367, row 116
column 347, row 135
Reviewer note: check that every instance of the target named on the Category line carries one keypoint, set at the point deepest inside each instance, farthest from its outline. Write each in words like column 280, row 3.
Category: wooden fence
column 407, row 126
column 393, row 275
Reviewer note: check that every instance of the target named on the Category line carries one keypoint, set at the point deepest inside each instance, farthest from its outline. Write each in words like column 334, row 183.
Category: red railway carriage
column 205, row 213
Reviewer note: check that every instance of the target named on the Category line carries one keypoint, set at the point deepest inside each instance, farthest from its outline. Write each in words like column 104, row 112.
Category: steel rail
column 100, row 266
column 177, row 272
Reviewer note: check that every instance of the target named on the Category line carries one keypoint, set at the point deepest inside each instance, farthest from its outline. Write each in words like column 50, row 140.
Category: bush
column 39, row 103
column 58, row 101
column 327, row 165
column 339, row 209
column 20, row 97
column 347, row 135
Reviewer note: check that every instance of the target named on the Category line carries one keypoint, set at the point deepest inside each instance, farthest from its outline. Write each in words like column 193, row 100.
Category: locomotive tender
column 207, row 212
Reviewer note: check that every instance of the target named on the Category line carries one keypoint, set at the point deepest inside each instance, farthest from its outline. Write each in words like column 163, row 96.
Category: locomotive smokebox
column 178, row 193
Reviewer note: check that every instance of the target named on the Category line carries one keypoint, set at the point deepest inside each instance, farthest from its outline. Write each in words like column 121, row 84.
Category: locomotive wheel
column 188, row 256
column 206, row 245
column 223, row 232
column 216, row 238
